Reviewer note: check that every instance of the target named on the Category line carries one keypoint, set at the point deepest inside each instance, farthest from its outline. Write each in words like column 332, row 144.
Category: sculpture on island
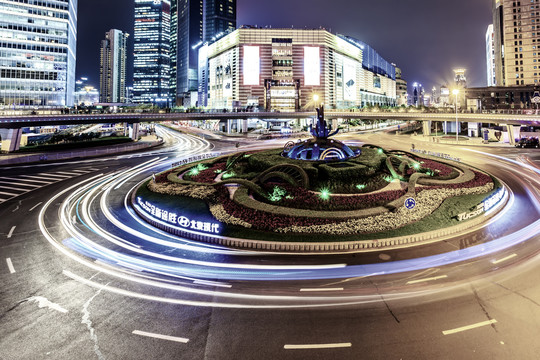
column 321, row 147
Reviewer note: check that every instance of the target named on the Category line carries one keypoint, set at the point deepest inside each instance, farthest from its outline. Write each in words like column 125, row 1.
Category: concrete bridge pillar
column 134, row 131
column 426, row 128
column 229, row 126
column 512, row 134
column 11, row 139
column 244, row 125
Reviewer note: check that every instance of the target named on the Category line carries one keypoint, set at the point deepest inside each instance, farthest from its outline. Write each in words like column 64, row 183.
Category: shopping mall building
column 286, row 69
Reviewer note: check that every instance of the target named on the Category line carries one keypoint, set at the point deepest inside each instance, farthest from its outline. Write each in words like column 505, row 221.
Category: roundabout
column 319, row 195
column 102, row 231
column 105, row 265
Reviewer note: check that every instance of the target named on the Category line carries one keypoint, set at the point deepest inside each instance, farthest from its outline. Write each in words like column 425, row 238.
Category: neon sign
column 174, row 219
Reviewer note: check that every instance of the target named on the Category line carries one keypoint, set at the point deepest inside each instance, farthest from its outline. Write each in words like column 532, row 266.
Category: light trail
column 143, row 258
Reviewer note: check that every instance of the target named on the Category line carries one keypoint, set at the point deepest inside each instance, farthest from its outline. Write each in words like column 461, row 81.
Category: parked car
column 531, row 142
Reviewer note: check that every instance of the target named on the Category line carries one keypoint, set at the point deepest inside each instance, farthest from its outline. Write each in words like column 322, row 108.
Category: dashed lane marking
column 427, row 279
column 10, row 266
column 504, row 259
column 35, row 206
column 11, row 232
column 317, row 346
column 469, row 327
column 160, row 336
column 322, row 289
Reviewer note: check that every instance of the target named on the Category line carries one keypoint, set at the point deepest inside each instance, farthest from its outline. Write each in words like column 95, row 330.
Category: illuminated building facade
column 112, row 81
column 37, row 52
column 192, row 23
column 516, row 42
column 490, row 56
column 152, row 52
column 282, row 70
column 401, row 89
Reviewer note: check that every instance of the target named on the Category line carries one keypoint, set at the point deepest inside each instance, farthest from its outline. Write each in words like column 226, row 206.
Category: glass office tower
column 112, row 75
column 151, row 72
column 220, row 17
column 194, row 22
column 37, row 53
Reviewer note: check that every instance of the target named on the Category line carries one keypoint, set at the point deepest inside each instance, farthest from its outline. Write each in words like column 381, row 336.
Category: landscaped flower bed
column 300, row 198
column 291, row 196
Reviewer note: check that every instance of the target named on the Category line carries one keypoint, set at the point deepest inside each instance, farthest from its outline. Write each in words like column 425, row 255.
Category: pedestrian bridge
column 12, row 122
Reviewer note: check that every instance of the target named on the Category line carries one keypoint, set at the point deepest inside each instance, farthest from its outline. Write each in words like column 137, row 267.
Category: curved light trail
column 112, row 240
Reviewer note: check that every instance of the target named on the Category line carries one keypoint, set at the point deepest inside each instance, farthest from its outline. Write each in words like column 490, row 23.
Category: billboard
column 312, row 66
column 376, row 82
column 227, row 75
column 252, row 65
column 349, row 79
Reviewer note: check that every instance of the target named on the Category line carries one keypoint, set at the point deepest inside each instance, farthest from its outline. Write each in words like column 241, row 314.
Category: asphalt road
column 55, row 307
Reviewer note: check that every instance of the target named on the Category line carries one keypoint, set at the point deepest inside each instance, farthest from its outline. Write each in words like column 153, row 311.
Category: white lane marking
column 8, row 194
column 469, row 327
column 317, row 346
column 427, row 279
column 26, row 180
column 79, row 172
column 11, row 232
column 322, row 289
column 68, row 173
column 19, row 184
column 211, row 283
column 35, row 206
column 2, row 200
column 47, row 177
column 159, row 336
column 54, row 176
column 13, row 188
column 10, row 266
column 504, row 259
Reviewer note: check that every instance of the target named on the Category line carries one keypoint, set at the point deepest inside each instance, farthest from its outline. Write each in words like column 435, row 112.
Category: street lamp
column 456, row 92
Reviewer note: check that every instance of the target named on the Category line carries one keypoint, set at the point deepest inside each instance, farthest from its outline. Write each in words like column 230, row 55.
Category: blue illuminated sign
column 175, row 219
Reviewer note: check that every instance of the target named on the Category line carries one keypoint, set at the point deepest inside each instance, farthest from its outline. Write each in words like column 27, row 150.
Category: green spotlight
column 325, row 194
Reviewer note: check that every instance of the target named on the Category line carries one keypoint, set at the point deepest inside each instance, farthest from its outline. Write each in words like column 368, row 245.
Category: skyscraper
column 220, row 17
column 112, row 80
column 192, row 23
column 517, row 40
column 490, row 56
column 38, row 52
column 151, row 71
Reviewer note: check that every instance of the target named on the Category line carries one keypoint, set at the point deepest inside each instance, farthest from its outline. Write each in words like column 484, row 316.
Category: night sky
column 426, row 38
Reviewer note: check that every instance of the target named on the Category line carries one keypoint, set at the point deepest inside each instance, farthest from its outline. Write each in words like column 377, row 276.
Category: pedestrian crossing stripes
column 16, row 185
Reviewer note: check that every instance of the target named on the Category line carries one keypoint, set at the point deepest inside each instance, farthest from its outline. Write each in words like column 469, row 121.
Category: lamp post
column 456, row 92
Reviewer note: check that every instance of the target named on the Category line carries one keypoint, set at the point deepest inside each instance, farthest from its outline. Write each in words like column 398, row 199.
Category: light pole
column 456, row 92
